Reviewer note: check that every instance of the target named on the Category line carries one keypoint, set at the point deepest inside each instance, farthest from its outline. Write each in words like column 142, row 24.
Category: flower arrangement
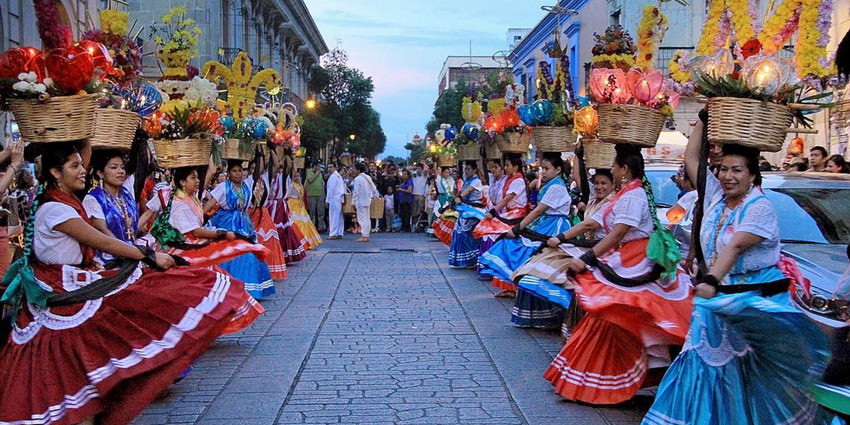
column 613, row 49
column 176, row 40
column 122, row 48
column 242, row 83
column 651, row 30
column 184, row 123
column 472, row 113
column 30, row 73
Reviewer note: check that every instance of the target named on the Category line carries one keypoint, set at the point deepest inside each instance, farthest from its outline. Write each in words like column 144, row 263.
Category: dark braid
column 29, row 233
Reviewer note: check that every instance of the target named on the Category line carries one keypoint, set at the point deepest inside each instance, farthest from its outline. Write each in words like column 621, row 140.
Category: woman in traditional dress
column 233, row 199
column 508, row 199
column 292, row 241
column 266, row 232
column 548, row 218
column 110, row 205
column 542, row 281
column 749, row 353
column 295, row 200
column 630, row 321
column 97, row 346
column 463, row 250
column 444, row 215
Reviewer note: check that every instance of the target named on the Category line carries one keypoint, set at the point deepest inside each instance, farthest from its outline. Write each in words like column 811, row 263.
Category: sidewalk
column 380, row 333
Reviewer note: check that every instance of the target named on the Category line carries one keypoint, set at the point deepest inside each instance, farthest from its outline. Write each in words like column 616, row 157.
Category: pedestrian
column 749, row 351
column 315, row 185
column 817, row 159
column 233, row 198
column 630, row 321
column 405, row 200
column 389, row 209
column 335, row 198
column 420, row 183
column 139, row 330
column 364, row 191
column 837, row 164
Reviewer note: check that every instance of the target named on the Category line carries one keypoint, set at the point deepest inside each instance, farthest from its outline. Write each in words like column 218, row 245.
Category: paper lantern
column 609, row 85
column 586, row 120
column 509, row 118
column 494, row 124
column 768, row 73
column 644, row 86
column 719, row 65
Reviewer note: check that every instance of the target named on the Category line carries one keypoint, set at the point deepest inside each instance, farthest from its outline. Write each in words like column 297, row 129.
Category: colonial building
column 466, row 68
column 17, row 19
column 278, row 34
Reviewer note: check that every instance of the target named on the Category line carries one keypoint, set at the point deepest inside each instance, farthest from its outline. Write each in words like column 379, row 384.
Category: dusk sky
column 402, row 46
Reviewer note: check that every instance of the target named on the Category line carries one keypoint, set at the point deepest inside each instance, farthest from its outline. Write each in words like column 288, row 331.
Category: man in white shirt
column 335, row 198
column 420, row 182
column 364, row 191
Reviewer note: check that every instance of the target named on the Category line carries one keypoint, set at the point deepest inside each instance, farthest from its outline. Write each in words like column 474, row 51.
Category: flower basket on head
column 491, row 150
column 471, row 152
column 182, row 152
column 598, row 154
column 231, row 149
column 748, row 122
column 554, row 139
column 57, row 119
column 449, row 160
column 513, row 141
column 633, row 124
column 114, row 129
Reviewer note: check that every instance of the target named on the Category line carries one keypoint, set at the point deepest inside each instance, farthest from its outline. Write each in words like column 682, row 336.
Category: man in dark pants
column 405, row 200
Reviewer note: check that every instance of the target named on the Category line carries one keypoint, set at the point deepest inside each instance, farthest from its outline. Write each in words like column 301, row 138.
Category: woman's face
column 191, row 184
column 113, row 173
column 496, row 170
column 734, row 176
column 221, row 177
column 619, row 171
column 549, row 172
column 236, row 174
column 468, row 171
column 72, row 176
column 831, row 167
column 603, row 186
column 510, row 168
column 446, row 173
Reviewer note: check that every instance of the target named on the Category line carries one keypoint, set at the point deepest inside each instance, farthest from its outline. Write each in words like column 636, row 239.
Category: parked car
column 814, row 224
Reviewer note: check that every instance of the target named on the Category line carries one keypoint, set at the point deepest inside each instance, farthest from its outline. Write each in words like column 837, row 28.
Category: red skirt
column 494, row 226
column 111, row 356
column 503, row 285
column 605, row 361
column 443, row 229
column 293, row 243
column 270, row 238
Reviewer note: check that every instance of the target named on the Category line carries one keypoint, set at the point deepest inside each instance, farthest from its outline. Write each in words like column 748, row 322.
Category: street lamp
column 352, row 137
column 310, row 104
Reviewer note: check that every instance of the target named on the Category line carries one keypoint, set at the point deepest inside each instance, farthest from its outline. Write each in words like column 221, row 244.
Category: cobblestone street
column 380, row 333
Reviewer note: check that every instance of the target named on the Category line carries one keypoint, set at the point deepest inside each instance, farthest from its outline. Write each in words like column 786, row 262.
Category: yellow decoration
column 586, row 121
column 495, row 106
column 471, row 111
column 242, row 83
column 651, row 30
column 621, row 60
column 176, row 41
column 114, row 22
column 676, row 72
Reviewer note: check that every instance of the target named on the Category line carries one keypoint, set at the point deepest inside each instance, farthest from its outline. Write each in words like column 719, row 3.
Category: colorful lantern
column 609, row 85
column 586, row 121
column 644, row 86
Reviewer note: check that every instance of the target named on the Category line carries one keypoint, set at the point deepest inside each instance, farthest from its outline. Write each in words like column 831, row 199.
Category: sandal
column 506, row 294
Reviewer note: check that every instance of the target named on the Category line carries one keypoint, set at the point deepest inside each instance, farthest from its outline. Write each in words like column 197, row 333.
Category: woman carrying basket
column 749, row 352
column 635, row 306
column 92, row 345
column 463, row 250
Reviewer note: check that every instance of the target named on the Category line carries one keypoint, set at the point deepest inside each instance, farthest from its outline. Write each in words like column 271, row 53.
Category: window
column 614, row 18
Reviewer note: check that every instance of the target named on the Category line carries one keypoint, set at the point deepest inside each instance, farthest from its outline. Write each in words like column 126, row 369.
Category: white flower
column 48, row 82
column 29, row 77
column 23, row 86
column 39, row 88
column 203, row 91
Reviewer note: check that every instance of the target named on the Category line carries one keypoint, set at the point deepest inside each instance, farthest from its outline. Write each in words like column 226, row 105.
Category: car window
column 812, row 214
column 665, row 190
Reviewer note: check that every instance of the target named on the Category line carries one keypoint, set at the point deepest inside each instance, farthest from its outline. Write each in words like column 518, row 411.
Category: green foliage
column 447, row 108
column 418, row 151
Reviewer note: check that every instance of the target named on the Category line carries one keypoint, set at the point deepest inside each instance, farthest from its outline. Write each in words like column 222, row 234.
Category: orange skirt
column 443, row 229
column 267, row 235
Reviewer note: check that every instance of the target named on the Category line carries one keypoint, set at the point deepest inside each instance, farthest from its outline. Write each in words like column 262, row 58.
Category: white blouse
column 558, row 199
column 52, row 246
column 632, row 209
column 518, row 188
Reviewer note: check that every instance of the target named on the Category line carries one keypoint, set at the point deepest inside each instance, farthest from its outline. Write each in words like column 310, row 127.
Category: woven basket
column 469, row 152
column 300, row 162
column 230, row 150
column 447, row 160
column 637, row 125
column 376, row 208
column 58, row 119
column 513, row 142
column 554, row 139
column 347, row 204
column 182, row 153
column 491, row 150
column 598, row 154
column 748, row 122
column 114, row 129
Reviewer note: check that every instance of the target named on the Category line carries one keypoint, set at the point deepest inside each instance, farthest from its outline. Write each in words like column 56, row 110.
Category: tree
column 418, row 151
column 447, row 108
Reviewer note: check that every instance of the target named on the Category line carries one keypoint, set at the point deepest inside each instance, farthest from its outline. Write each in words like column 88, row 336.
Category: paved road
column 380, row 333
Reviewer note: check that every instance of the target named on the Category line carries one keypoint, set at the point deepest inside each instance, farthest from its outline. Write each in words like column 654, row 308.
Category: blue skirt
column 254, row 273
column 507, row 255
column 484, row 246
column 463, row 251
column 545, row 290
column 746, row 360
column 532, row 311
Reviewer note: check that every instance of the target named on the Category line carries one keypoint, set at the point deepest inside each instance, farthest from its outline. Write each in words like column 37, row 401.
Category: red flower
column 750, row 48
column 736, row 74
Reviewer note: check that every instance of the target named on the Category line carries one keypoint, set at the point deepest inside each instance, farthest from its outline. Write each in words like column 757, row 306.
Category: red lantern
column 509, row 117
column 609, row 85
column 99, row 53
column 70, row 73
column 645, row 86
column 494, row 124
column 16, row 61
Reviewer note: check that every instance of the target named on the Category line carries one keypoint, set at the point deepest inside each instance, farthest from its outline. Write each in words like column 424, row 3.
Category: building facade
column 277, row 34
column 18, row 23
column 466, row 68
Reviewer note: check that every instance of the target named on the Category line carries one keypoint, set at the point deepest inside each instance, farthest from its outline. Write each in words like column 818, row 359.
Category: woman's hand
column 576, row 266
column 230, row 236
column 164, row 261
column 457, row 200
column 16, row 152
column 705, row 290
column 488, row 216
column 553, row 242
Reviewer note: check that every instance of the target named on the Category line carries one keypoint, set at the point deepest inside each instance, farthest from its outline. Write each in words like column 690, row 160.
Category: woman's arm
column 741, row 241
column 145, row 218
column 100, row 225
column 85, row 234
column 536, row 212
column 501, row 204
column 202, row 232
column 692, row 151
column 607, row 243
column 211, row 203
column 588, row 225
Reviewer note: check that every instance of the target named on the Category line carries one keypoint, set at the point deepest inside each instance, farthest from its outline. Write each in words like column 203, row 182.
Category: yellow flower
column 196, row 30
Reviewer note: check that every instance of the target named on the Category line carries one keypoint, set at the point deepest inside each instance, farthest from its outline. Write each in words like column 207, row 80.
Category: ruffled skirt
column 302, row 221
column 268, row 236
column 293, row 243
column 111, row 356
column 463, row 249
column 444, row 227
column 747, row 359
column 607, row 358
